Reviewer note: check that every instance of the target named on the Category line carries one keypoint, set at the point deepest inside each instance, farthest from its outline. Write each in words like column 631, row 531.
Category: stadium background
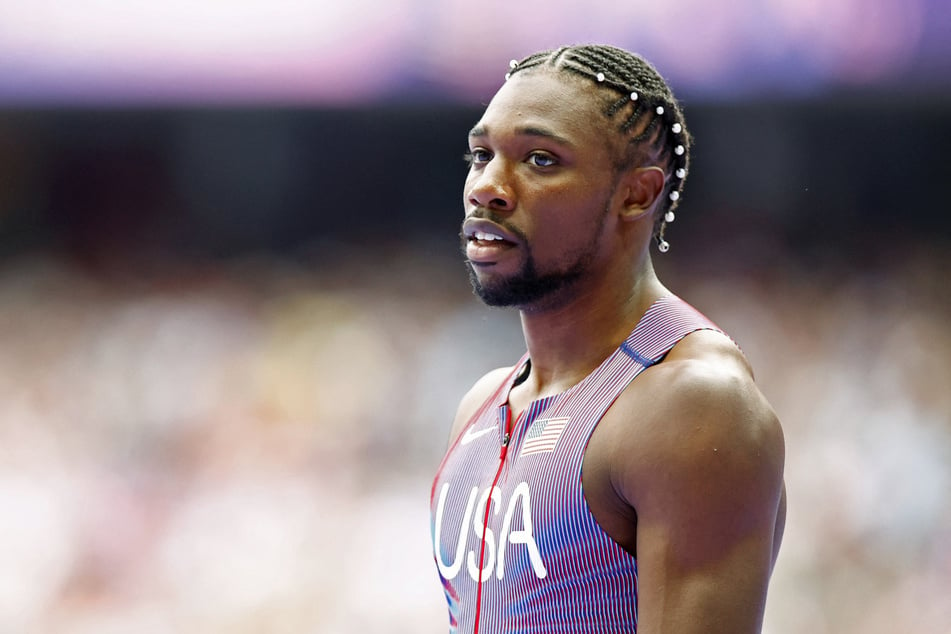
column 234, row 323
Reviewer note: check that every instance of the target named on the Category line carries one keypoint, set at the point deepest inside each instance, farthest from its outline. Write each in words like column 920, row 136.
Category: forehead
column 559, row 103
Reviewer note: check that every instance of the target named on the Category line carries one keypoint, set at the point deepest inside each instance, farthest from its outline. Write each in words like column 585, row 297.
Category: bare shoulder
column 700, row 414
column 706, row 385
column 698, row 456
column 475, row 397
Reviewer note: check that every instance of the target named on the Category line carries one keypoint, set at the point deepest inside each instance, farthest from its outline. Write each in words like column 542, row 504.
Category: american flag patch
column 543, row 435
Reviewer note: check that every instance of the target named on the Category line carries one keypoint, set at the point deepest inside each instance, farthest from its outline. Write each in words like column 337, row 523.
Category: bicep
column 720, row 587
column 707, row 514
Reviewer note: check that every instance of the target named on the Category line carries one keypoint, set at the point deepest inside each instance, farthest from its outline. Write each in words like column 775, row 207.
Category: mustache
column 483, row 213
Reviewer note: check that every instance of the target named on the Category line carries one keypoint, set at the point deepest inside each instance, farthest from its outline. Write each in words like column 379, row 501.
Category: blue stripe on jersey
column 634, row 354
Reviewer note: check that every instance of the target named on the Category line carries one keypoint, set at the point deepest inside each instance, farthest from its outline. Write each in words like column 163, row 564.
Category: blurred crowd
column 247, row 445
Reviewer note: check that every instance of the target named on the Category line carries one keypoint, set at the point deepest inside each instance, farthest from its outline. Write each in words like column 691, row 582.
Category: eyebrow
column 532, row 131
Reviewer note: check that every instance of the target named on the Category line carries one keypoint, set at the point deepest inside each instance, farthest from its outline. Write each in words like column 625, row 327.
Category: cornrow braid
column 648, row 115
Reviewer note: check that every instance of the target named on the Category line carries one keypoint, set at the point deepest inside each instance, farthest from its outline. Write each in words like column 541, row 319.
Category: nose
column 490, row 187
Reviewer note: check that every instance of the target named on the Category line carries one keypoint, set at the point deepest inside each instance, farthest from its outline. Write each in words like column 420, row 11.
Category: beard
column 529, row 286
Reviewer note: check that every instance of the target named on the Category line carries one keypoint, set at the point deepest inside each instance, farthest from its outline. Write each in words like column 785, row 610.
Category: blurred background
column 234, row 322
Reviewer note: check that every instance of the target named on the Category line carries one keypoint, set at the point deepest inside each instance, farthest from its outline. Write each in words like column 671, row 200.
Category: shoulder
column 699, row 414
column 705, row 377
column 475, row 398
column 699, row 458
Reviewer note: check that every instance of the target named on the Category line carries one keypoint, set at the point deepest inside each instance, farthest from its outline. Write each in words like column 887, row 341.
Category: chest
column 524, row 490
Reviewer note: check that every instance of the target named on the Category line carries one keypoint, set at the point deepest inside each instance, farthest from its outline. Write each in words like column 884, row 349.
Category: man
column 626, row 474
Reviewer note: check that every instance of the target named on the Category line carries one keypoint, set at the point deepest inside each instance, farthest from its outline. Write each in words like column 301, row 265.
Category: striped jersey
column 512, row 532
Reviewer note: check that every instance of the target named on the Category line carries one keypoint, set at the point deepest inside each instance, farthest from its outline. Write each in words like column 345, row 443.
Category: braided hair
column 643, row 106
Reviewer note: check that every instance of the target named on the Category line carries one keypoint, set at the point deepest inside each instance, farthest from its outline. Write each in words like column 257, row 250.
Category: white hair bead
column 507, row 76
column 513, row 64
column 680, row 173
column 660, row 110
column 679, row 150
column 676, row 128
column 663, row 246
column 600, row 77
column 669, row 216
column 675, row 196
column 633, row 96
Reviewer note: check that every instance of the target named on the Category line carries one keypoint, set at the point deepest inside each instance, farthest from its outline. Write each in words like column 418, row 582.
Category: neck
column 568, row 340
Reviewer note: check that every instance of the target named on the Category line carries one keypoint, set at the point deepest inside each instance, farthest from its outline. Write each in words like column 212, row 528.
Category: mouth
column 485, row 241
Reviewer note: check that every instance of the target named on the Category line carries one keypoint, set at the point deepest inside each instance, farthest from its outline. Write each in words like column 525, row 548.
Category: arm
column 705, row 481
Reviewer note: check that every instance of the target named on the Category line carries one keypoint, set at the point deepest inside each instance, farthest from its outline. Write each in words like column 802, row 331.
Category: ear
column 642, row 187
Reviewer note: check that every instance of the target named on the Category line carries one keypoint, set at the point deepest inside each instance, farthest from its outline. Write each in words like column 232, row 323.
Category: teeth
column 481, row 235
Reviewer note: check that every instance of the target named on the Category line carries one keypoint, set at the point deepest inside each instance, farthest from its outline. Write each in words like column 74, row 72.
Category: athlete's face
column 539, row 190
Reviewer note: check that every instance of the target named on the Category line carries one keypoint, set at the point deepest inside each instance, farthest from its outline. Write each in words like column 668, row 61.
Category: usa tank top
column 515, row 544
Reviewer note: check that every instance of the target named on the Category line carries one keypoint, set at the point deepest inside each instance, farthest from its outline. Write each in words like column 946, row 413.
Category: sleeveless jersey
column 544, row 562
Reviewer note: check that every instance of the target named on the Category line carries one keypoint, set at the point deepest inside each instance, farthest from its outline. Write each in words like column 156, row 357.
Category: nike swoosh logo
column 470, row 435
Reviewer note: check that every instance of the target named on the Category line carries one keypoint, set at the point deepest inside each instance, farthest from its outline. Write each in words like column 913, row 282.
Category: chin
column 522, row 292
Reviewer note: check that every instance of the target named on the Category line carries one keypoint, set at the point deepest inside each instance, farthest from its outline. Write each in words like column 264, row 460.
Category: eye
column 477, row 156
column 542, row 159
